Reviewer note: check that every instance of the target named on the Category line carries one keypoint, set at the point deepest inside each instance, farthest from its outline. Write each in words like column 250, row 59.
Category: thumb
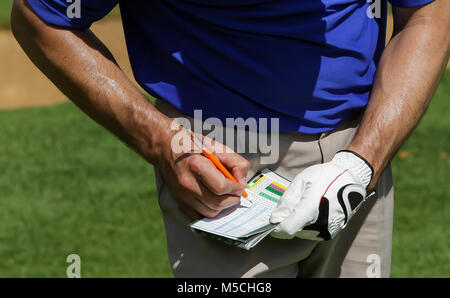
column 289, row 200
column 300, row 217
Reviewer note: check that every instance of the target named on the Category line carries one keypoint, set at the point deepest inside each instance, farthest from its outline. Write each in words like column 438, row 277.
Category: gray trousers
column 362, row 249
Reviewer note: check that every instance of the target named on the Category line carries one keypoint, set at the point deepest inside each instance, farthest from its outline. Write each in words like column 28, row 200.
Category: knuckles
column 221, row 187
column 218, row 204
column 194, row 162
column 224, row 203
column 184, row 181
column 211, row 213
column 245, row 164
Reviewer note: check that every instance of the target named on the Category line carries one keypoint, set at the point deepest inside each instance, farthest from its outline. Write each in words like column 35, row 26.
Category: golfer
column 343, row 100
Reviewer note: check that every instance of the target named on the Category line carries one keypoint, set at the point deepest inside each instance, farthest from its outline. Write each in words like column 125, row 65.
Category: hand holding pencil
column 208, row 153
column 198, row 186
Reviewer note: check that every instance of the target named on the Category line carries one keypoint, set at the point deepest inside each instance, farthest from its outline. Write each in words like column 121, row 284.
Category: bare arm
column 407, row 77
column 86, row 72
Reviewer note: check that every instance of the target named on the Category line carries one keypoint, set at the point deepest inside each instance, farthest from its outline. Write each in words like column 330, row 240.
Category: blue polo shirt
column 310, row 63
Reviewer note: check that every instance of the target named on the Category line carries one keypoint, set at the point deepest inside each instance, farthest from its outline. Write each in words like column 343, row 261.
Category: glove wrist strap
column 359, row 167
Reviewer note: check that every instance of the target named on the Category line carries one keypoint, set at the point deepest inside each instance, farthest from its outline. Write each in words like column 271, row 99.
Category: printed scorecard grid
column 239, row 221
column 273, row 192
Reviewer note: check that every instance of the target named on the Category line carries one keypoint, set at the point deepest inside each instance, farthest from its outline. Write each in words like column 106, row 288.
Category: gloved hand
column 322, row 199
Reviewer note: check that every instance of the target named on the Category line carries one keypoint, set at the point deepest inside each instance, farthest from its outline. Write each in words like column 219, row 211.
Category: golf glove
column 322, row 199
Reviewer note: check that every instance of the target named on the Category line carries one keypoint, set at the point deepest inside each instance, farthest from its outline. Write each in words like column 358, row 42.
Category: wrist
column 376, row 156
column 358, row 166
column 151, row 135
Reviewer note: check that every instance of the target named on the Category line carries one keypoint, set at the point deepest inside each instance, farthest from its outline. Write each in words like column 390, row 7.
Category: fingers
column 189, row 211
column 201, row 188
column 212, row 178
column 289, row 200
column 300, row 217
column 293, row 212
column 205, row 189
column 237, row 165
column 198, row 207
column 193, row 195
column 216, row 202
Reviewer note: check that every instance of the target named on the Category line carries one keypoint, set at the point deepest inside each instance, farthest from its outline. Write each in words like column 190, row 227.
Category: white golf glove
column 322, row 199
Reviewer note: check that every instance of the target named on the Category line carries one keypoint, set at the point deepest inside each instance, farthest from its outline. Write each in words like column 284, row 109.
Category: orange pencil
column 218, row 164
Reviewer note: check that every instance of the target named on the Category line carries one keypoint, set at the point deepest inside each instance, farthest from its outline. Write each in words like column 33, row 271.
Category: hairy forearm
column 85, row 71
column 407, row 76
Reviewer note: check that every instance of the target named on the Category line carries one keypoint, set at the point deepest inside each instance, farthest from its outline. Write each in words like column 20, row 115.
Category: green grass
column 68, row 186
column 421, row 238
column 5, row 12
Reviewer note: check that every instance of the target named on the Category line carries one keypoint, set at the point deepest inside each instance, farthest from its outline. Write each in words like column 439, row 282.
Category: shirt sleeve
column 74, row 14
column 409, row 3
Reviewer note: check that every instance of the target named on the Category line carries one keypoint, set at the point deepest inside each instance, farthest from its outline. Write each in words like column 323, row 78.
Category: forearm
column 85, row 71
column 407, row 76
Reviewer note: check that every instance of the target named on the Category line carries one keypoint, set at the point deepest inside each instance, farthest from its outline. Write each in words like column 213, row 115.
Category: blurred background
column 68, row 186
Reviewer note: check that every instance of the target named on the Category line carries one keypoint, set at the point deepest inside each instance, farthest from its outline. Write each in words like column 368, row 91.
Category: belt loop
column 321, row 136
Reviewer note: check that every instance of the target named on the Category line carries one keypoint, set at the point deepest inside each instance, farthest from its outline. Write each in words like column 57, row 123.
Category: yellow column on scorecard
column 279, row 185
column 261, row 179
